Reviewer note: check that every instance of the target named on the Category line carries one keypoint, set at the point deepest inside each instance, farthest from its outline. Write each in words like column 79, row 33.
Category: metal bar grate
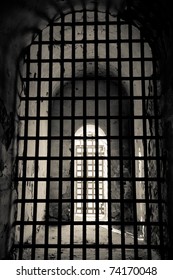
column 89, row 162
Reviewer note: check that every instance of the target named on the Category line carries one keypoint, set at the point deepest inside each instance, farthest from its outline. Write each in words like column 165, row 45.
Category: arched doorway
column 94, row 152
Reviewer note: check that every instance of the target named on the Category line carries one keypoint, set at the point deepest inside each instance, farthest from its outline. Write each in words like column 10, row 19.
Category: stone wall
column 156, row 148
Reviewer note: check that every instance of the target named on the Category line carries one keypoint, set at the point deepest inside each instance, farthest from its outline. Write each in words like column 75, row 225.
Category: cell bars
column 90, row 144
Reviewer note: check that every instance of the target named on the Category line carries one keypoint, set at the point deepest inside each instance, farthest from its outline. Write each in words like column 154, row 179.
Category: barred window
column 89, row 143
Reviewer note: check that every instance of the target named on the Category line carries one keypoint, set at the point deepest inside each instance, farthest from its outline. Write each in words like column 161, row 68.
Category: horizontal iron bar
column 47, row 179
column 73, row 223
column 87, row 246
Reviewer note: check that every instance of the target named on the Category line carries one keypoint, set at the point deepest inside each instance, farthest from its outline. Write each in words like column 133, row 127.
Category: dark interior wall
column 19, row 22
column 159, row 189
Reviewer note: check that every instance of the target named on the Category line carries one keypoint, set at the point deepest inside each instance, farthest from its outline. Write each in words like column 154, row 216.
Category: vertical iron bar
column 96, row 134
column 148, row 230
column 120, row 138
column 36, row 163
column 72, row 139
column 84, row 129
column 109, row 138
column 61, row 140
column 49, row 141
column 132, row 119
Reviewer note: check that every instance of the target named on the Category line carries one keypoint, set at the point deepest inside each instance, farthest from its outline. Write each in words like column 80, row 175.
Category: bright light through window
column 95, row 165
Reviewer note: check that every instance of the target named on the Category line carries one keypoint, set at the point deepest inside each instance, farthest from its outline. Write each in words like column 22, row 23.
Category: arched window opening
column 90, row 148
